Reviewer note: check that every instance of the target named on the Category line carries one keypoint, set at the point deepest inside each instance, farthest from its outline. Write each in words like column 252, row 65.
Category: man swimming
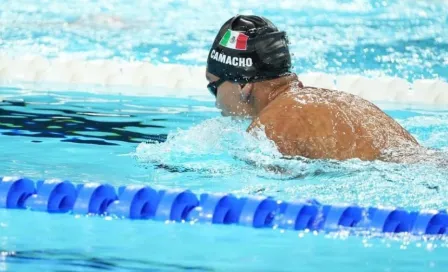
column 249, row 72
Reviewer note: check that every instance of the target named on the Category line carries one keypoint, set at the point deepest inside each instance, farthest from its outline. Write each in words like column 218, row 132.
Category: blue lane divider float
column 94, row 198
column 216, row 209
column 297, row 215
column 14, row 192
column 143, row 202
column 134, row 202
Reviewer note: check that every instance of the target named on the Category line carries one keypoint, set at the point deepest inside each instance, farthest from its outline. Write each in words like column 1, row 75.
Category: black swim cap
column 249, row 48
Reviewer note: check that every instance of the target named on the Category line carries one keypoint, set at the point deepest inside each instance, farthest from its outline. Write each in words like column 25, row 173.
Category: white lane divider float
column 143, row 78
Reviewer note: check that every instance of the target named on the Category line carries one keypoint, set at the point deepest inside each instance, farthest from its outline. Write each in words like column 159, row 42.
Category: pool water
column 64, row 243
column 394, row 37
column 183, row 142
column 172, row 142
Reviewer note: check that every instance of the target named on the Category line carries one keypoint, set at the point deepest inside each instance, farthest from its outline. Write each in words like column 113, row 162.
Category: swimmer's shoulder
column 310, row 105
column 324, row 97
column 292, row 108
column 301, row 99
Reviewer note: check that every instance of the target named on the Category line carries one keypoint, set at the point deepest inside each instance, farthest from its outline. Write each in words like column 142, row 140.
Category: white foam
column 319, row 80
column 431, row 91
column 143, row 78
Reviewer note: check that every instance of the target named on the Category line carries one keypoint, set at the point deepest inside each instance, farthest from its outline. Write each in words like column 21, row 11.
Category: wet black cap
column 249, row 48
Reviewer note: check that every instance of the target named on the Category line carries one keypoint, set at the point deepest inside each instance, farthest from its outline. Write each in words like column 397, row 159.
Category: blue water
column 52, row 135
column 406, row 38
column 183, row 142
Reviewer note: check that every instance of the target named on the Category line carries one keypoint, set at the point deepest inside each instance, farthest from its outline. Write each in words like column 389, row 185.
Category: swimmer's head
column 247, row 49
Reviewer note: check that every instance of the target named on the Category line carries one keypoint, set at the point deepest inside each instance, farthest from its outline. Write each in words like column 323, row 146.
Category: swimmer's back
column 320, row 123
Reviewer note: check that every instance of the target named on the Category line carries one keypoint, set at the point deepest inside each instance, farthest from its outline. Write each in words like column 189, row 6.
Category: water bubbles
column 221, row 139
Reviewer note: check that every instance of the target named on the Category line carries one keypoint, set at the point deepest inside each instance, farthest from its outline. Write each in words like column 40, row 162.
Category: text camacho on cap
column 249, row 48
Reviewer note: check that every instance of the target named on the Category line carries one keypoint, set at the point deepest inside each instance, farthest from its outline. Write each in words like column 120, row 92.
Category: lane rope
column 143, row 78
column 139, row 202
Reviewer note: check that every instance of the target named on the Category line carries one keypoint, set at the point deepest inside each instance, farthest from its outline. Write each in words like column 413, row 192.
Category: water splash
column 215, row 145
column 219, row 155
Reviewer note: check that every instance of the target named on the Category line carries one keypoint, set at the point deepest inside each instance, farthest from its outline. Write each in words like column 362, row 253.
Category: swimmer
column 249, row 73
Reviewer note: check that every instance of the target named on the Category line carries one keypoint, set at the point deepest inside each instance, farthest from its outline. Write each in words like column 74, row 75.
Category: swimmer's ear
column 246, row 91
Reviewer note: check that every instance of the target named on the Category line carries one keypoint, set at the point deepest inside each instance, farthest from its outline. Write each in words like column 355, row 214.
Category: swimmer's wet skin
column 249, row 72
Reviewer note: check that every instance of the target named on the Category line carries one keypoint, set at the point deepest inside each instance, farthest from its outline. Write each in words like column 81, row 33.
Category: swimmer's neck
column 266, row 92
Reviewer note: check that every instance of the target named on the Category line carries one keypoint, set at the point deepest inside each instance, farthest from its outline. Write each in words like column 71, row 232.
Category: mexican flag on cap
column 234, row 40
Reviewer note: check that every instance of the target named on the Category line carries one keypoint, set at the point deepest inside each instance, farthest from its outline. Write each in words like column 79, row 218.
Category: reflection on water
column 81, row 260
column 72, row 126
